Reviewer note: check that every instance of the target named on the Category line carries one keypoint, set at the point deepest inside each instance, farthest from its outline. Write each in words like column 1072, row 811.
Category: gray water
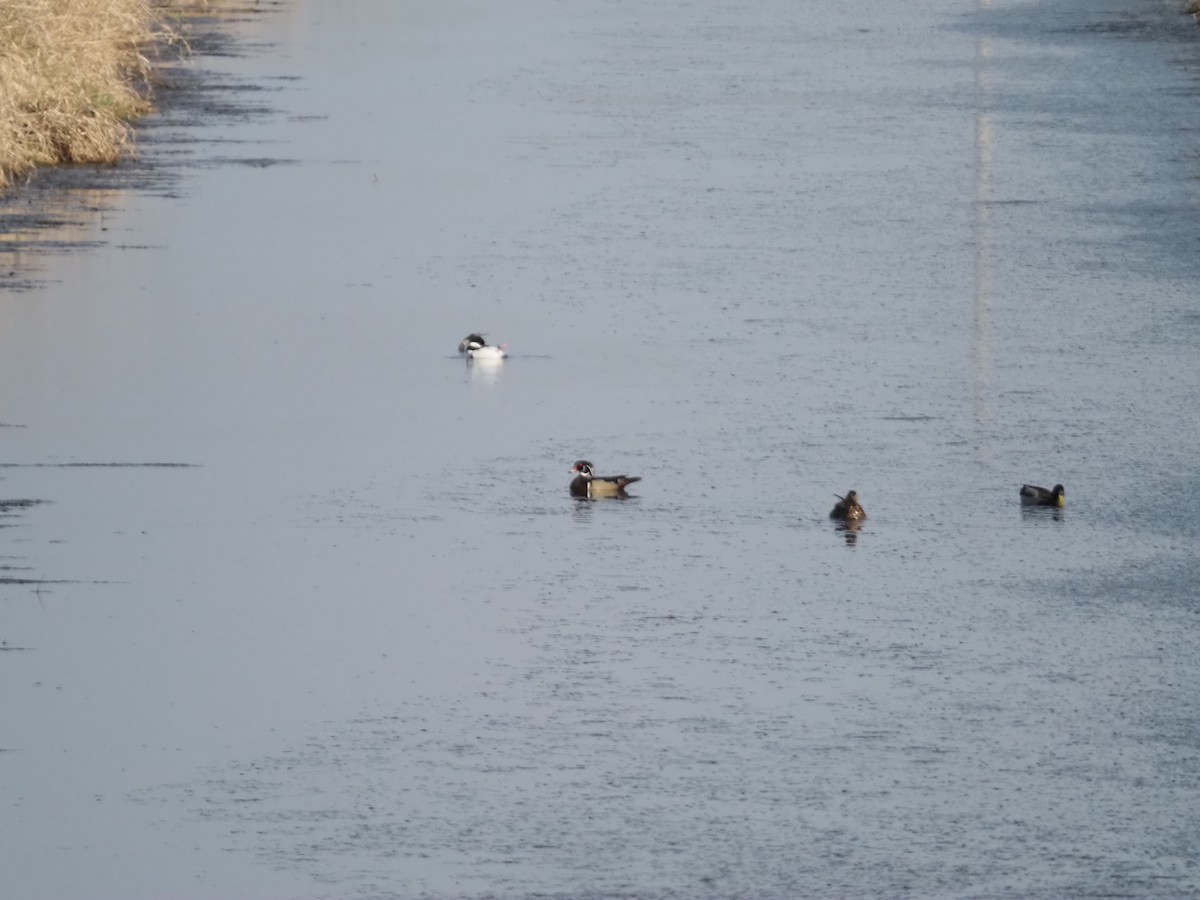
column 357, row 641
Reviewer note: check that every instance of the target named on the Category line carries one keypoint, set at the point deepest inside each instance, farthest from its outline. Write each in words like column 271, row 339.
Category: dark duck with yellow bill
column 1032, row 495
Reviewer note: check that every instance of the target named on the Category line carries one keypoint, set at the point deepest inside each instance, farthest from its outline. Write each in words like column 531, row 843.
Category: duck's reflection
column 485, row 372
column 1041, row 513
column 849, row 529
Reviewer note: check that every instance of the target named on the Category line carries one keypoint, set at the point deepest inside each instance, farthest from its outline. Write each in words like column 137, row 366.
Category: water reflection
column 1041, row 513
column 484, row 372
column 983, row 196
column 849, row 529
column 47, row 216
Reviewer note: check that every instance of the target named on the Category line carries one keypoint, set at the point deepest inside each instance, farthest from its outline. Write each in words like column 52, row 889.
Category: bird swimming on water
column 588, row 485
column 1032, row 495
column 475, row 346
column 488, row 352
column 848, row 509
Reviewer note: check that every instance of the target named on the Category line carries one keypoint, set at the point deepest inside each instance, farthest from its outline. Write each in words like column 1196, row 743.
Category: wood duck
column 848, row 508
column 472, row 341
column 588, row 485
column 1032, row 495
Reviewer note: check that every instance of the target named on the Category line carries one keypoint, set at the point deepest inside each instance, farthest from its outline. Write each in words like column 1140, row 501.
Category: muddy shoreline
column 61, row 209
column 51, row 209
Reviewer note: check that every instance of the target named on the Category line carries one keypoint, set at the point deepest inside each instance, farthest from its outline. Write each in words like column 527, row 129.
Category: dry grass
column 73, row 73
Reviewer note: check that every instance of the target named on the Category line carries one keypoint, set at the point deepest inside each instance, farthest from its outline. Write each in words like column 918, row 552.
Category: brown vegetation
column 73, row 73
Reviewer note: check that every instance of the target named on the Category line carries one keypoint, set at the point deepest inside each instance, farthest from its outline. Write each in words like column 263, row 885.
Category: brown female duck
column 848, row 509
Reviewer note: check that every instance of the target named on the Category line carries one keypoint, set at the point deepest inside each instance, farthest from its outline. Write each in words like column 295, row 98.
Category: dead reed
column 73, row 73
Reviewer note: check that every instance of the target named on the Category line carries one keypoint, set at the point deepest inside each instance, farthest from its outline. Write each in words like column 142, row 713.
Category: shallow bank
column 78, row 74
column 55, row 208
column 75, row 75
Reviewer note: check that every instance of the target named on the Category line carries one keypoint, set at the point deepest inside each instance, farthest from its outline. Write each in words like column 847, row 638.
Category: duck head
column 472, row 341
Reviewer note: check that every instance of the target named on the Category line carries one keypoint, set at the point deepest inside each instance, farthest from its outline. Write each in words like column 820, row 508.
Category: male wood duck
column 1032, row 495
column 586, row 484
column 472, row 341
column 848, row 508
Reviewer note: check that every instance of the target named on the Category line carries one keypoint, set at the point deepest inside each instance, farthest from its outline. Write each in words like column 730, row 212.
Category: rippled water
column 357, row 641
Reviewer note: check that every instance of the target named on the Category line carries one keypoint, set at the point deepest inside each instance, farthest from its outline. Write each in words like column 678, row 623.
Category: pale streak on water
column 757, row 253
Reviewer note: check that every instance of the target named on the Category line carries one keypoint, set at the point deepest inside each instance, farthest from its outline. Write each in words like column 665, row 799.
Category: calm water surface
column 359, row 642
